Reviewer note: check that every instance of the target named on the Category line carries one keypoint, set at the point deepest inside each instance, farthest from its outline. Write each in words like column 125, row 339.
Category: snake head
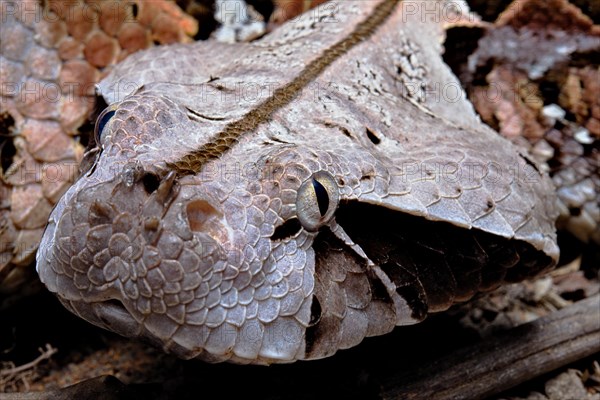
column 293, row 226
column 294, row 255
column 214, row 266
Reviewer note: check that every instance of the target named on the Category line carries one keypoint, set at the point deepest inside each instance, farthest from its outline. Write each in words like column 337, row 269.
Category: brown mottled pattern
column 553, row 38
column 51, row 56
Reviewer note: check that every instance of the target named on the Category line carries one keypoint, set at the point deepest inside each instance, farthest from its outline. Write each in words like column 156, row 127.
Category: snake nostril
column 150, row 182
column 575, row 211
column 373, row 136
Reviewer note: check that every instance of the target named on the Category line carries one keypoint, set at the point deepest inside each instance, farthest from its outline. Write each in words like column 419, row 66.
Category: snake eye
column 317, row 201
column 102, row 120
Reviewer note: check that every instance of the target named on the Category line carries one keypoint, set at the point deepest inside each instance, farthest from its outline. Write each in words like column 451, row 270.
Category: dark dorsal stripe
column 192, row 162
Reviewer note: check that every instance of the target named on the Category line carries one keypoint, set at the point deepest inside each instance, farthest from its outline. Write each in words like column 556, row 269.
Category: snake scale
column 282, row 200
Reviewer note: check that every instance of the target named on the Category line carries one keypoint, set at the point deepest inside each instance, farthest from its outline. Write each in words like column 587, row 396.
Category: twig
column 505, row 360
column 45, row 354
column 11, row 375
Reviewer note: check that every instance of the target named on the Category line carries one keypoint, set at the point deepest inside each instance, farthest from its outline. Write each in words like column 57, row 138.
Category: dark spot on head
column 286, row 230
column 372, row 136
column 341, row 181
column 490, row 204
column 346, row 132
column 150, row 182
column 575, row 211
column 366, row 177
column 342, row 129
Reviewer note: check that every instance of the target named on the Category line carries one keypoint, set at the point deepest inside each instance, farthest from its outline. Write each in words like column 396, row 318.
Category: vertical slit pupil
column 322, row 197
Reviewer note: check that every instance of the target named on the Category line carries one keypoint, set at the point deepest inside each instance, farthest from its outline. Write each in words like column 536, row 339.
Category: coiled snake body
column 282, row 200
